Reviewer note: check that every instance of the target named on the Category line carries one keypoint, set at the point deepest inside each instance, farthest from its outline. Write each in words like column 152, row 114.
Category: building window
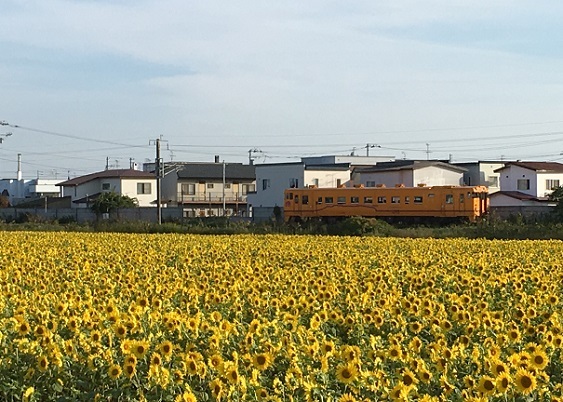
column 449, row 198
column 143, row 188
column 492, row 181
column 227, row 186
column 316, row 182
column 417, row 199
column 395, row 200
column 381, row 200
column 370, row 184
column 188, row 189
column 551, row 184
column 341, row 200
column 210, row 185
column 265, row 184
column 248, row 188
column 106, row 186
column 354, row 200
column 293, row 183
column 523, row 184
column 338, row 182
column 329, row 200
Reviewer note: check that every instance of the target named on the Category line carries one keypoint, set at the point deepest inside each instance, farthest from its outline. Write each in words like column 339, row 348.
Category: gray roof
column 214, row 171
column 409, row 165
column 108, row 174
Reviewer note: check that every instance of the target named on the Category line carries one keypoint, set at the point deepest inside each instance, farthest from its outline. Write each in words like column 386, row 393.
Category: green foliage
column 110, row 201
column 4, row 201
column 557, row 196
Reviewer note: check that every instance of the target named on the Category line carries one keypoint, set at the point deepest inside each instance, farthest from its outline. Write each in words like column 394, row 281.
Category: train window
column 395, row 200
column 381, row 200
column 329, row 200
column 341, row 200
column 289, row 196
column 368, row 200
column 355, row 200
column 407, row 199
column 320, row 200
column 449, row 198
column 305, row 200
column 417, row 199
column 461, row 198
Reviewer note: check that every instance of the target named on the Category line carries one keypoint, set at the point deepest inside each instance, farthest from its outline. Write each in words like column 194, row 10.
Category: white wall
column 326, row 178
column 436, row 176
column 509, row 179
column 388, row 178
column 279, row 176
column 129, row 188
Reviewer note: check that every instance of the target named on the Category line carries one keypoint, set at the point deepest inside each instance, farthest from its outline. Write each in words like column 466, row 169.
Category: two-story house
column 525, row 186
column 209, row 189
column 83, row 190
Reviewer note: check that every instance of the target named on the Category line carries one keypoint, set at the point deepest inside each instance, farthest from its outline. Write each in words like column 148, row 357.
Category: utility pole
column 158, row 171
column 250, row 152
column 427, row 151
column 224, row 182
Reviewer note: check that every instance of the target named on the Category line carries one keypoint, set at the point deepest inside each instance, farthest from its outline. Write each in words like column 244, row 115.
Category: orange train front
column 391, row 203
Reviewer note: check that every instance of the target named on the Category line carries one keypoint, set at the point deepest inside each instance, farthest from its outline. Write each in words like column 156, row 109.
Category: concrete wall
column 436, row 176
column 83, row 215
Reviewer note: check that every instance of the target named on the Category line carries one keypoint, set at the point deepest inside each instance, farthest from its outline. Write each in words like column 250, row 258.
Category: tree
column 557, row 196
column 110, row 201
column 4, row 201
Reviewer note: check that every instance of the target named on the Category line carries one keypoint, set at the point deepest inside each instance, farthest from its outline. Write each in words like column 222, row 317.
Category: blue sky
column 88, row 80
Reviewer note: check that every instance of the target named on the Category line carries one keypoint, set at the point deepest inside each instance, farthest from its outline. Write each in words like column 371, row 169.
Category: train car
column 390, row 203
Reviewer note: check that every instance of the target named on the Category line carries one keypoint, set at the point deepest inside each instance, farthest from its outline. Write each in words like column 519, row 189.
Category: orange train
column 390, row 203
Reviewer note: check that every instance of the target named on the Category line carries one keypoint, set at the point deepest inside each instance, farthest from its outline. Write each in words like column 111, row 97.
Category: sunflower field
column 110, row 317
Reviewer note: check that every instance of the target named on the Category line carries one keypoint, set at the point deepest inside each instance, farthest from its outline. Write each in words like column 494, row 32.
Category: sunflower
column 262, row 361
column 166, row 348
column 120, row 330
column 114, row 371
column 347, row 398
column 217, row 388
column 232, row 375
column 503, row 382
column 487, row 385
column 346, row 373
column 140, row 349
column 192, row 367
column 408, row 379
column 129, row 369
column 539, row 359
column 23, row 328
column 262, row 394
column 42, row 363
column 525, row 381
column 156, row 360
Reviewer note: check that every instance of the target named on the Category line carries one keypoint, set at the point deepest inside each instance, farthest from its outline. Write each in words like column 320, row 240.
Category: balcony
column 211, row 198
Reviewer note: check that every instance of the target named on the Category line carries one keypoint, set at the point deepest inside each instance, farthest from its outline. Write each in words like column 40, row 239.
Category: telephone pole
column 158, row 171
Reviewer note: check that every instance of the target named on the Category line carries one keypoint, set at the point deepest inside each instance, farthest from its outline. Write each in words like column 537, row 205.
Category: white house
column 482, row 173
column 411, row 173
column 129, row 182
column 525, row 187
column 272, row 179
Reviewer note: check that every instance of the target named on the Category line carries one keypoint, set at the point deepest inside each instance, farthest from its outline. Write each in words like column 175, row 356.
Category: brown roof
column 113, row 174
column 552, row 167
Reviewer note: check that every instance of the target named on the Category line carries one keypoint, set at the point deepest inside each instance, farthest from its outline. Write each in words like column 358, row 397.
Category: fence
column 83, row 215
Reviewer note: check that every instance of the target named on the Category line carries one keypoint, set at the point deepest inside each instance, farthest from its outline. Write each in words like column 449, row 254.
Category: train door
column 449, row 206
